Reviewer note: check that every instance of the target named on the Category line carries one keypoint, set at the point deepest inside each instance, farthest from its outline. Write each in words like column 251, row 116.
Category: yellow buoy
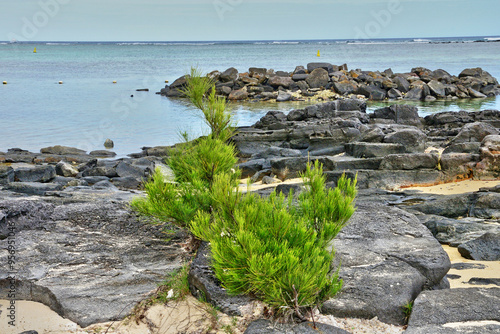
column 114, row 81
column 318, row 54
column 5, row 82
column 34, row 51
column 60, row 82
column 166, row 81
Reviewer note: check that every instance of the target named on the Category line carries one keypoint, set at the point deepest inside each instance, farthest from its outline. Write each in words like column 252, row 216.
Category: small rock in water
column 108, row 143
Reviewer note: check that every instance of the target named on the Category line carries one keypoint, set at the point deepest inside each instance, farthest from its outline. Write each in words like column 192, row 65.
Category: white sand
column 492, row 270
column 454, row 188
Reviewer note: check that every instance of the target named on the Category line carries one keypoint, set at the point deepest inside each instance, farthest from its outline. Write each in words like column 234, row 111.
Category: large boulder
column 410, row 161
column 372, row 150
column 453, row 311
column 66, row 169
column 401, row 84
column 326, row 66
column 442, row 76
column 278, row 81
column 437, row 88
column 400, row 113
column 318, row 78
column 475, row 132
column 35, row 174
column 384, row 269
column 412, row 139
column 61, row 150
column 231, row 74
column 415, row 93
column 372, row 92
column 239, row 94
column 89, row 262
column 345, row 87
column 6, row 174
column 484, row 248
column 456, row 231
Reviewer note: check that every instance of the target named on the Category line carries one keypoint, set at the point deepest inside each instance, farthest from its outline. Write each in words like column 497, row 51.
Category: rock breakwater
column 325, row 81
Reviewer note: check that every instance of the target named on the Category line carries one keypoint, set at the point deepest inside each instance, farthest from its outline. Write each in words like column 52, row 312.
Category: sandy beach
column 454, row 188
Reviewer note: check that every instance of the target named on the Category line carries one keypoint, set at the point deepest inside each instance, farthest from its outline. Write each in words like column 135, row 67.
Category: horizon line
column 245, row 40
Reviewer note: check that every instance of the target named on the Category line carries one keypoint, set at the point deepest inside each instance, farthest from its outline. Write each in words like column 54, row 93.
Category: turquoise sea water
column 36, row 111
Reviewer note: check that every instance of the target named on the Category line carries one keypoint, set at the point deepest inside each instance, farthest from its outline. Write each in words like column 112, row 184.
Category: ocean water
column 36, row 111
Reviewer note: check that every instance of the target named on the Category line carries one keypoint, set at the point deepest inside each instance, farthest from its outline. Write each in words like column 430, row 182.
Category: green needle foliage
column 277, row 248
column 201, row 91
column 194, row 163
column 273, row 249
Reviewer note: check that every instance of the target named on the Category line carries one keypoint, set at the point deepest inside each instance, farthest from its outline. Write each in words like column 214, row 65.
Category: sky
column 218, row 20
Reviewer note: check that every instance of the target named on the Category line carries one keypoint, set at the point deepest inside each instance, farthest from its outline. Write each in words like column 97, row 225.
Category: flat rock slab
column 262, row 326
column 90, row 262
column 461, row 310
column 387, row 258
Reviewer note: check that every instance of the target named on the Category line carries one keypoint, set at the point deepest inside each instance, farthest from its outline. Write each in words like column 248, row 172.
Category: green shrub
column 201, row 91
column 273, row 249
column 194, row 163
column 277, row 249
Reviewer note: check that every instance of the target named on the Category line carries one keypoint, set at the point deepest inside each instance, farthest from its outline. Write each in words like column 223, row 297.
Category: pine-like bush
column 194, row 163
column 274, row 249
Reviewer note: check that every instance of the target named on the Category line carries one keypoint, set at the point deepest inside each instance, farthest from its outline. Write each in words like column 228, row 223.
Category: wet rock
column 484, row 248
column 108, row 143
